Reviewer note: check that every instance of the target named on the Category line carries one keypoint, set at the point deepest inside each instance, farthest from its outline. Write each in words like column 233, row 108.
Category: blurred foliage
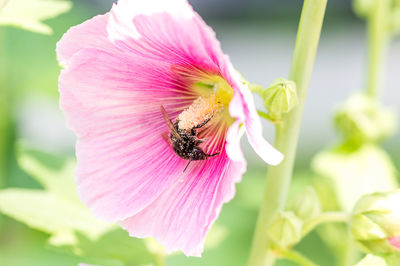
column 363, row 9
column 351, row 173
column 371, row 260
column 29, row 14
column 57, row 211
column 362, row 119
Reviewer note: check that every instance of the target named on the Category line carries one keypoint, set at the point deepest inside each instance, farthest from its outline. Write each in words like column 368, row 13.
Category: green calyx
column 285, row 229
column 306, row 205
column 375, row 218
column 279, row 98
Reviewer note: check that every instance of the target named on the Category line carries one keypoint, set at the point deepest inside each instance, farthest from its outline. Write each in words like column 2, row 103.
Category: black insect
column 185, row 142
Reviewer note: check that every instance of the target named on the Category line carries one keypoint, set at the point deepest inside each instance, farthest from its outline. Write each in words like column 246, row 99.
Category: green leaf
column 55, row 174
column 217, row 234
column 115, row 246
column 353, row 173
column 45, row 211
column 58, row 211
column 29, row 14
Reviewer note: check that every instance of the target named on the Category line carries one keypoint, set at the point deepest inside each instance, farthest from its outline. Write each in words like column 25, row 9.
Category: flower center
column 215, row 94
column 202, row 110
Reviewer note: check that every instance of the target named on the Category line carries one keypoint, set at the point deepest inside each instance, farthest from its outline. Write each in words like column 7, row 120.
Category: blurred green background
column 259, row 37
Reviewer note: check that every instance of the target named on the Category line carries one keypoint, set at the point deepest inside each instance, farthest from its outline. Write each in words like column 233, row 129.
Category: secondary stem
column 378, row 39
column 297, row 257
column 287, row 132
column 327, row 217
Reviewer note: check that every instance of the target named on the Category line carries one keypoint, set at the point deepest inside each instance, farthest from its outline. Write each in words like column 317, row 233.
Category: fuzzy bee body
column 186, row 146
column 185, row 142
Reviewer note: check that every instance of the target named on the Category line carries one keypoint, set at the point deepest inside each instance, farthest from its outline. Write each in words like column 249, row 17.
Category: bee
column 185, row 141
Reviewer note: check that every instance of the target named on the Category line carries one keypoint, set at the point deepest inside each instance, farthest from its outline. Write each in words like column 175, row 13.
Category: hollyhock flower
column 120, row 68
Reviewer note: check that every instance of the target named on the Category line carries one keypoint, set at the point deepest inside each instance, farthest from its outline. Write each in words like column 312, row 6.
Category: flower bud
column 306, row 205
column 363, row 7
column 375, row 222
column 361, row 119
column 371, row 260
column 280, row 97
column 285, row 229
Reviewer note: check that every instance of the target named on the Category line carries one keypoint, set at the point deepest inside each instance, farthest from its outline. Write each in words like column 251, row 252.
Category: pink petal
column 123, row 13
column 123, row 163
column 242, row 108
column 90, row 34
column 395, row 241
column 169, row 31
column 181, row 217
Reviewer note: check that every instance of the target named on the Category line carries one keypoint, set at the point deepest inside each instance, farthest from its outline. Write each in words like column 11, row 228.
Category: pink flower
column 120, row 68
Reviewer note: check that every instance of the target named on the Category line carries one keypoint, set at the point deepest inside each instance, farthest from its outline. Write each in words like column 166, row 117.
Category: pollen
column 202, row 109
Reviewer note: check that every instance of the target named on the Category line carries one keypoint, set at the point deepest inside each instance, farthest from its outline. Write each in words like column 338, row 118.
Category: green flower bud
column 361, row 119
column 376, row 221
column 363, row 7
column 306, row 205
column 371, row 260
column 285, row 229
column 280, row 97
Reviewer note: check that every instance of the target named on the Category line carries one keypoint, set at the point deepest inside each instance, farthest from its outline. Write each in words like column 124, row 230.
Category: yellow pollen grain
column 202, row 108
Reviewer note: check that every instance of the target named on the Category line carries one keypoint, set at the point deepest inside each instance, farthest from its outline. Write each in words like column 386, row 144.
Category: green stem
column 326, row 217
column 256, row 88
column 297, row 257
column 287, row 132
column 378, row 39
column 4, row 116
column 350, row 254
column 268, row 117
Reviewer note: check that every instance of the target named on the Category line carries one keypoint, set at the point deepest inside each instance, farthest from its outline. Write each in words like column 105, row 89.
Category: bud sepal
column 285, row 229
column 306, row 205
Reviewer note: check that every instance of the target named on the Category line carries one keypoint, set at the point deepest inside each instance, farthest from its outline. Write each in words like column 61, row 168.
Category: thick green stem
column 378, row 39
column 287, row 132
column 4, row 116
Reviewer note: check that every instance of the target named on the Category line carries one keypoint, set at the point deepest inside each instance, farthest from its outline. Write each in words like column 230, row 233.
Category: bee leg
column 204, row 123
column 200, row 125
column 187, row 166
column 199, row 141
column 212, row 155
